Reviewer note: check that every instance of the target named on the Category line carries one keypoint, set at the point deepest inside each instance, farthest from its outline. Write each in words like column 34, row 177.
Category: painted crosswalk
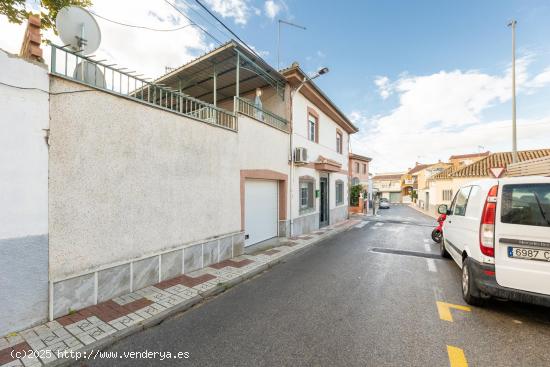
column 431, row 265
column 362, row 224
column 378, row 225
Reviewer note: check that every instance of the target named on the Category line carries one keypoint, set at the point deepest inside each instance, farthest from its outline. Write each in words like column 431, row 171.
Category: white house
column 23, row 193
column 388, row 185
column 320, row 145
column 135, row 182
column 469, row 167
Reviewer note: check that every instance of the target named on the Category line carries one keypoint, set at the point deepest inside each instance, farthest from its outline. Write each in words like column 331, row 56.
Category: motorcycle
column 437, row 233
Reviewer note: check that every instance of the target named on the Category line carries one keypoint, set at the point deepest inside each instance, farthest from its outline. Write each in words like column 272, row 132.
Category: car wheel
column 470, row 292
column 442, row 250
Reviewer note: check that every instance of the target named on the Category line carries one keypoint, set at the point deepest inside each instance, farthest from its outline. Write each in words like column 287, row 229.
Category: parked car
column 498, row 232
column 384, row 203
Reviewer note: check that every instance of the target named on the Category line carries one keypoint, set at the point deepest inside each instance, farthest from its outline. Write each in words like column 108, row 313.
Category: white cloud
column 262, row 53
column 443, row 114
column 144, row 51
column 398, row 151
column 542, row 79
column 239, row 10
column 11, row 35
column 384, row 87
column 272, row 8
column 453, row 98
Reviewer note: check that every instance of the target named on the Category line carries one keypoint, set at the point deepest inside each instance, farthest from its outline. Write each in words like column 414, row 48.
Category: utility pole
column 279, row 39
column 514, row 136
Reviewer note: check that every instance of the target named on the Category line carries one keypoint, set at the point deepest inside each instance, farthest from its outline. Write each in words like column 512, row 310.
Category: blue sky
column 422, row 79
column 422, row 42
column 360, row 40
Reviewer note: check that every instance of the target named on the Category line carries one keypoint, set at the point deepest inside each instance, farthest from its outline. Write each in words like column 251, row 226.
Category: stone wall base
column 310, row 222
column 75, row 293
column 340, row 213
column 23, row 282
column 305, row 224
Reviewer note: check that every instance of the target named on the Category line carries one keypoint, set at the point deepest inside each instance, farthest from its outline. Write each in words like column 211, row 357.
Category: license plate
column 528, row 253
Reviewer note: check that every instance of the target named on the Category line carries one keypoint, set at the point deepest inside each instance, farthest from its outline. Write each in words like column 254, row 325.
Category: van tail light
column 487, row 226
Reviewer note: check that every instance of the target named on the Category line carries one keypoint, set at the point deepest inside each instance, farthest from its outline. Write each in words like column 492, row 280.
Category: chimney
column 30, row 48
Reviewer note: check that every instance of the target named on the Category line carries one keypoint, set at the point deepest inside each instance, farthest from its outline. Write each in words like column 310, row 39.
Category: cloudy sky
column 422, row 79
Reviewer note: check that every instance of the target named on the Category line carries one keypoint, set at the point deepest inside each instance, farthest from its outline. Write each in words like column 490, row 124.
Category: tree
column 17, row 13
column 354, row 194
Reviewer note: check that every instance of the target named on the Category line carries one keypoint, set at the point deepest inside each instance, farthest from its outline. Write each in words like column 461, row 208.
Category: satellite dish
column 89, row 73
column 78, row 28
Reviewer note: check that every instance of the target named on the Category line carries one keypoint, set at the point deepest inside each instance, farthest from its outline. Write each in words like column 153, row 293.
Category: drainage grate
column 406, row 253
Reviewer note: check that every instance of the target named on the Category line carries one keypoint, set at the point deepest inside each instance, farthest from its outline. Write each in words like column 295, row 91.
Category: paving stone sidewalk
column 88, row 330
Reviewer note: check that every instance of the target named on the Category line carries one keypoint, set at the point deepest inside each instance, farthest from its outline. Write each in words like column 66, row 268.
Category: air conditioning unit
column 300, row 155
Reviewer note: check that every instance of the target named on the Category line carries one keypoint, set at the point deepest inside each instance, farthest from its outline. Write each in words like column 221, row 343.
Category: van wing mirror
column 442, row 209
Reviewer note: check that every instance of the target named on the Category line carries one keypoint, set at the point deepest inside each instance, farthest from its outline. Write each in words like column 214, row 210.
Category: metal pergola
column 227, row 71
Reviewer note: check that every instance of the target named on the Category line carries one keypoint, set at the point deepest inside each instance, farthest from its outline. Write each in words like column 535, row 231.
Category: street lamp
column 512, row 24
column 318, row 73
column 323, row 71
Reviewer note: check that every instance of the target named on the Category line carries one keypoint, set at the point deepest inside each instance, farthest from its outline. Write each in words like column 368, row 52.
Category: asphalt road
column 342, row 304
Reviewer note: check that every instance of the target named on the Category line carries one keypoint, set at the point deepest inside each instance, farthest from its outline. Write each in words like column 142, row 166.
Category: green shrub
column 354, row 194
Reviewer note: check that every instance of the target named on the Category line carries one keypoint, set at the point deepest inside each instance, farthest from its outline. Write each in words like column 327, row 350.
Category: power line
column 138, row 26
column 189, row 19
column 204, row 17
column 45, row 91
column 226, row 27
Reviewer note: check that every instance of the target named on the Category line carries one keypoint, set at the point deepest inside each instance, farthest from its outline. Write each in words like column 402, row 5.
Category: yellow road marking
column 444, row 310
column 456, row 357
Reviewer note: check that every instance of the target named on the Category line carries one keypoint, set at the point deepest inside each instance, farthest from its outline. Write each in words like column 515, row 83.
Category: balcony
column 97, row 74
column 212, row 88
column 247, row 108
column 230, row 77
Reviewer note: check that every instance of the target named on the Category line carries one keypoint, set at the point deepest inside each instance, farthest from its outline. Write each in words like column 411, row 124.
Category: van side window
column 453, row 203
column 461, row 201
column 526, row 204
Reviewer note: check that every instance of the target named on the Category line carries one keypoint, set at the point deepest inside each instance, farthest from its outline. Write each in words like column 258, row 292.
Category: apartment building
column 388, row 185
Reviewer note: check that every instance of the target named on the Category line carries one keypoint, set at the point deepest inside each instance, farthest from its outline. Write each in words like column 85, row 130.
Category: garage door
column 395, row 197
column 261, row 211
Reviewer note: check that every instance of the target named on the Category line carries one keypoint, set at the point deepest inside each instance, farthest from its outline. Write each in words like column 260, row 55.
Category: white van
column 498, row 232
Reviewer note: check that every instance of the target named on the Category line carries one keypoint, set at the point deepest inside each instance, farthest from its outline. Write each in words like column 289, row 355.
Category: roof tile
column 446, row 174
column 418, row 167
column 472, row 155
column 481, row 168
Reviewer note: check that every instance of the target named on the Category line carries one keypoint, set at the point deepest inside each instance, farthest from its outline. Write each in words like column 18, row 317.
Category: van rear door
column 522, row 234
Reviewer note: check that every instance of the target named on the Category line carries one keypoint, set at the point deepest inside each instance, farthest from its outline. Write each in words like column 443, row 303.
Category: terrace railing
column 83, row 69
column 249, row 109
